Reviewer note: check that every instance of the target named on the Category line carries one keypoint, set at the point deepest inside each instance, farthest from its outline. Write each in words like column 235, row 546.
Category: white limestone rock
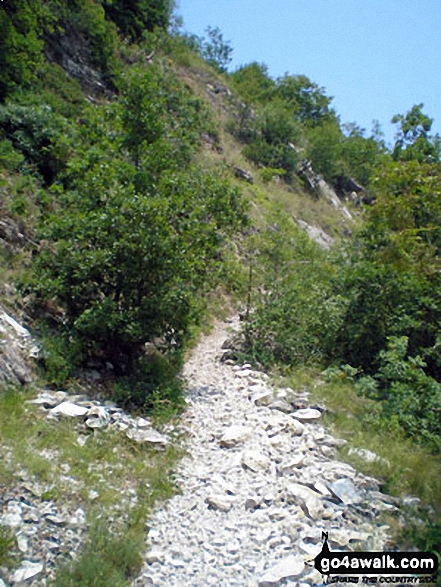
column 28, row 570
column 278, row 422
column 294, row 463
column 321, row 488
column 307, row 415
column 367, row 455
column 308, row 499
column 345, row 491
column 98, row 417
column 155, row 556
column 69, row 409
column 151, row 436
column 289, row 568
column 45, row 400
column 222, row 503
column 12, row 520
column 281, row 405
column 143, row 423
column 22, row 543
column 235, row 435
column 262, row 397
column 255, row 460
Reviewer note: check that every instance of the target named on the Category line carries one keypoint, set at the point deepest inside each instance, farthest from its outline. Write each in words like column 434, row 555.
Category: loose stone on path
column 258, row 486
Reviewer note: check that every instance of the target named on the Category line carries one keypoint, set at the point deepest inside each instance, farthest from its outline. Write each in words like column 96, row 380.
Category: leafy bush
column 269, row 173
column 408, row 395
column 89, row 17
column 134, row 17
column 128, row 271
column 325, row 145
column 59, row 358
column 253, row 83
column 139, row 231
column 307, row 101
column 390, row 274
column 38, row 134
column 296, row 314
column 9, row 158
column 153, row 385
column 162, row 121
column 414, row 143
column 21, row 46
column 274, row 132
column 60, row 91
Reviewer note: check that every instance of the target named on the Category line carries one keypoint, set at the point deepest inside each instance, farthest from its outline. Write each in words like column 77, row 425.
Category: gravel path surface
column 259, row 485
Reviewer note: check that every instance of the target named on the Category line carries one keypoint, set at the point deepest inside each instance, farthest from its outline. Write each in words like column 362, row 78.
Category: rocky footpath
column 259, row 485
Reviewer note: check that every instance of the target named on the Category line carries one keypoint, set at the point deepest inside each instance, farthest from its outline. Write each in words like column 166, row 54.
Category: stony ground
column 259, row 485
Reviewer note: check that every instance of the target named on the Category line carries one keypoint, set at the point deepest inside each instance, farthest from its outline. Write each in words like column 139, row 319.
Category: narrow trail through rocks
column 258, row 486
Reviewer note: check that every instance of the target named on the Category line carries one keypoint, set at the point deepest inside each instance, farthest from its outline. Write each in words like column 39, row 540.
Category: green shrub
column 108, row 559
column 390, row 273
column 133, row 17
column 407, row 394
column 253, row 83
column 153, row 385
column 269, row 173
column 39, row 134
column 306, row 100
column 90, row 17
column 10, row 159
column 60, row 356
column 296, row 314
column 21, row 46
column 60, row 91
column 216, row 51
column 138, row 232
column 272, row 138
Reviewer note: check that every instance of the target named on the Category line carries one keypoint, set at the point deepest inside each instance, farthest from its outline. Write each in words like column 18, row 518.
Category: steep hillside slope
column 145, row 191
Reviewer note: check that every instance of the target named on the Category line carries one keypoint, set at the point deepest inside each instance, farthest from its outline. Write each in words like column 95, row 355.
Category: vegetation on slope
column 369, row 310
column 128, row 223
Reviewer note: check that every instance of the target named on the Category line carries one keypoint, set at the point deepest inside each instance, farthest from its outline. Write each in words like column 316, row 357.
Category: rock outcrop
column 17, row 352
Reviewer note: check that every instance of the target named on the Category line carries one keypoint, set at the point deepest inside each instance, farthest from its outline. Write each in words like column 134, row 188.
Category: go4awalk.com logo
column 376, row 567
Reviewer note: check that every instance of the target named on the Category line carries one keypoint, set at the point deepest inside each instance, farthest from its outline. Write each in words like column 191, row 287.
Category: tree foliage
column 21, row 45
column 137, row 233
column 215, row 50
column 273, row 134
column 134, row 17
column 39, row 134
column 308, row 101
column 375, row 306
column 297, row 314
column 300, row 118
column 413, row 139
column 253, row 83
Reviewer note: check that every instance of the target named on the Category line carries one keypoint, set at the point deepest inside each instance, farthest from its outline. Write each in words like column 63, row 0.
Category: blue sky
column 377, row 58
